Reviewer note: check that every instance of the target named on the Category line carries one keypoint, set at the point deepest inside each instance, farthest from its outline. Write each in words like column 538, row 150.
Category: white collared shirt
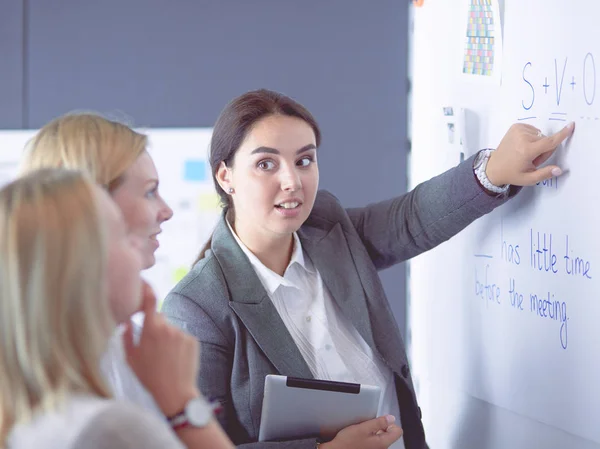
column 331, row 346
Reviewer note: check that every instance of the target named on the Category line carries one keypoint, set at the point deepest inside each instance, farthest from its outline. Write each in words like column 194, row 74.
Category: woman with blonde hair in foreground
column 69, row 270
column 116, row 157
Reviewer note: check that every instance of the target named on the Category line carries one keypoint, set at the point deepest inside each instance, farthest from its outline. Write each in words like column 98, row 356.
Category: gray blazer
column 223, row 303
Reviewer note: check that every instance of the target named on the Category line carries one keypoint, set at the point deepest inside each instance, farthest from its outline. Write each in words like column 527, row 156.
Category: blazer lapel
column 252, row 305
column 330, row 253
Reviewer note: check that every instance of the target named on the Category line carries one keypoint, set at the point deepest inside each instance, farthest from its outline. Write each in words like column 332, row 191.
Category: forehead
column 280, row 132
column 143, row 168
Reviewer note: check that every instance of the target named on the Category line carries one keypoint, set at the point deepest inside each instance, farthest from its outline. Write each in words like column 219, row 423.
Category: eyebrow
column 305, row 148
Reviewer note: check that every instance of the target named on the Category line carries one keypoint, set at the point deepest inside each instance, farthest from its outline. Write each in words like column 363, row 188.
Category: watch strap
column 481, row 176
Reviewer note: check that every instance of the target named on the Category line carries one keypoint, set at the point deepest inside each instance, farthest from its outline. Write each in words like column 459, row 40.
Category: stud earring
column 230, row 190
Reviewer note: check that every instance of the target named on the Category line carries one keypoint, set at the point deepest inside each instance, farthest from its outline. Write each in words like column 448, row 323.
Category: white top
column 331, row 346
column 122, row 380
column 93, row 423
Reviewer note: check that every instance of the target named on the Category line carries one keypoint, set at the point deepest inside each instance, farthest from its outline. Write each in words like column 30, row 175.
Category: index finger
column 550, row 143
column 148, row 304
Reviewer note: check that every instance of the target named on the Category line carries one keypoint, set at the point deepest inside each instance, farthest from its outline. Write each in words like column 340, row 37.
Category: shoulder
column 199, row 303
column 205, row 282
column 327, row 211
column 58, row 427
column 124, row 426
column 206, row 271
column 326, row 203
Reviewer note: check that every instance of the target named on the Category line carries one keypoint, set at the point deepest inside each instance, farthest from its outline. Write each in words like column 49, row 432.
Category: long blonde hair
column 100, row 147
column 55, row 320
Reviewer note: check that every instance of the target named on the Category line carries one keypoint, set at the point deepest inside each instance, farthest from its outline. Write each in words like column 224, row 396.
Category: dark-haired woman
column 289, row 282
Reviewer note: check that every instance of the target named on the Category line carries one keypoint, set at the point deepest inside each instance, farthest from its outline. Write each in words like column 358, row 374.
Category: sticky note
column 195, row 170
column 208, row 202
column 179, row 274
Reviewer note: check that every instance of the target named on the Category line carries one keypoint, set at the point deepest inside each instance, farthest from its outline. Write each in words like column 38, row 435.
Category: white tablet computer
column 296, row 408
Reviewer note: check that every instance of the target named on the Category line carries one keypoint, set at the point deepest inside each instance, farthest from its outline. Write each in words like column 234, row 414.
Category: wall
column 176, row 64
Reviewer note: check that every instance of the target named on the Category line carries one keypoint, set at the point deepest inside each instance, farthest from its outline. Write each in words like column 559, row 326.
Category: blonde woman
column 69, row 270
column 114, row 156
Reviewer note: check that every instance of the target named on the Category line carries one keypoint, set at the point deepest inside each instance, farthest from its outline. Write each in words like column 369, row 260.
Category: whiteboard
column 504, row 344
column 181, row 158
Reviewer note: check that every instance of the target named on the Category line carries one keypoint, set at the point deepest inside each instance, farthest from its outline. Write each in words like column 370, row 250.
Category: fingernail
column 571, row 125
column 556, row 171
column 390, row 419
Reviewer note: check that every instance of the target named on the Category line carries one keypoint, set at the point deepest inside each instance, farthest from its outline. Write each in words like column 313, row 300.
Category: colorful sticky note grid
column 479, row 44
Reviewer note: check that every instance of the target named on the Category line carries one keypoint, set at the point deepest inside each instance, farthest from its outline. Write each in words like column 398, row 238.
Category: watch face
column 198, row 412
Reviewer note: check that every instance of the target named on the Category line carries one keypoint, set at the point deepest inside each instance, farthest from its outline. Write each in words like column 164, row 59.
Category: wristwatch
column 479, row 167
column 197, row 413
